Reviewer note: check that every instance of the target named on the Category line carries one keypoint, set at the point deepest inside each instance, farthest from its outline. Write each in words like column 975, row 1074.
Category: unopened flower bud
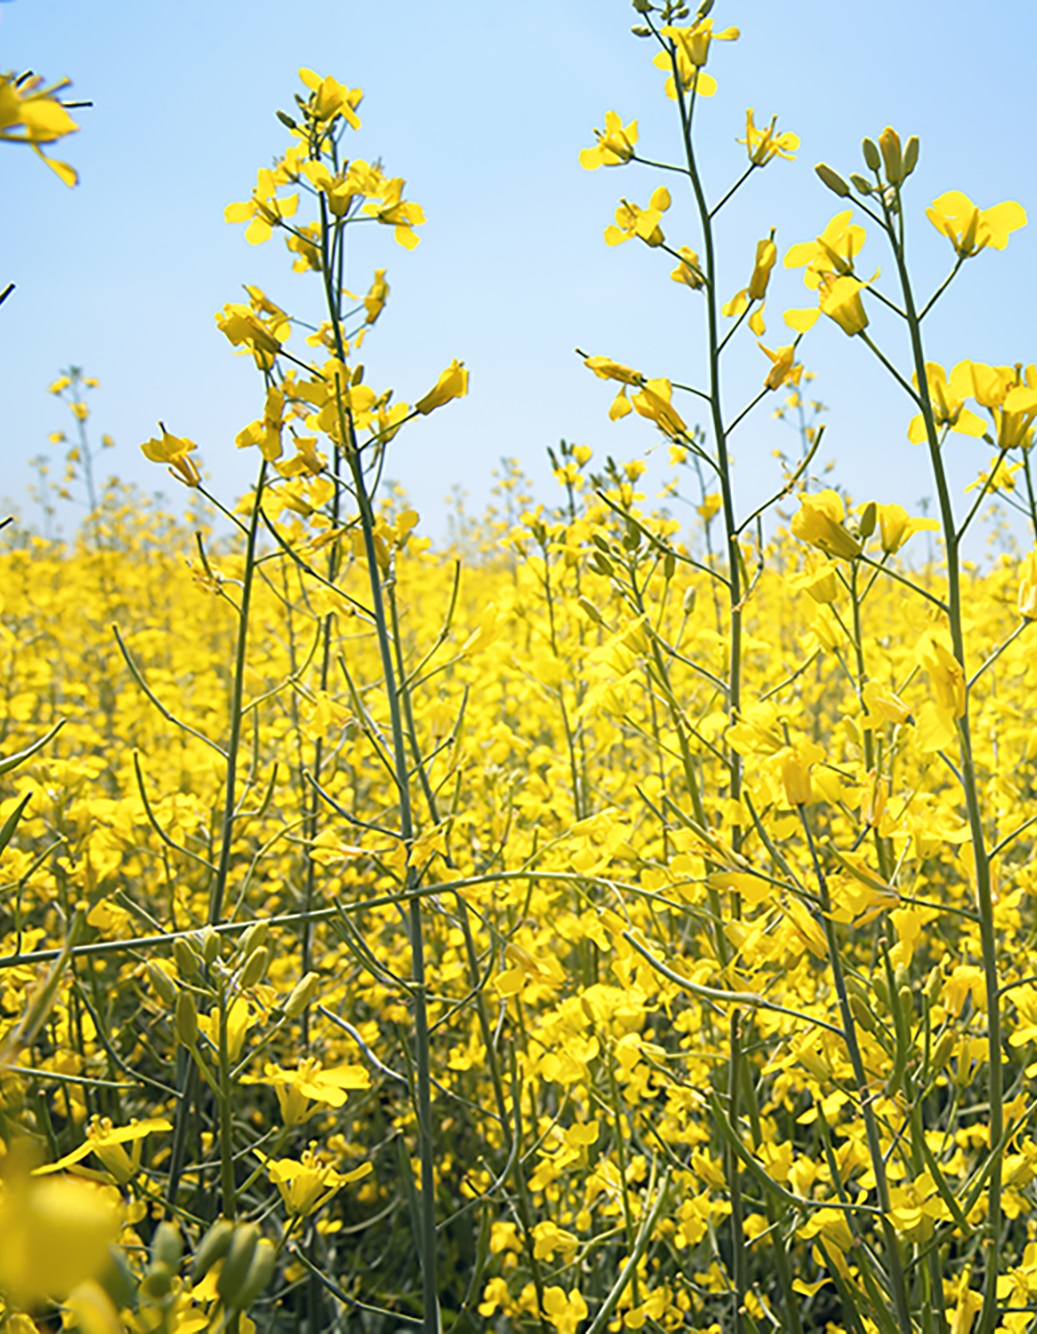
column 186, row 959
column 167, row 1245
column 871, row 154
column 590, row 611
column 860, row 183
column 688, row 602
column 257, row 934
column 302, row 995
column 255, row 967
column 186, row 1022
column 832, row 179
column 210, row 944
column 212, row 1247
column 162, row 983
column 911, row 155
column 892, row 155
column 239, row 1259
column 869, row 517
column 259, row 1274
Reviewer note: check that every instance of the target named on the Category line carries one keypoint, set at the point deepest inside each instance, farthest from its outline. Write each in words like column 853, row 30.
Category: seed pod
column 162, row 983
column 236, row 1266
column 260, row 1272
column 186, row 1021
column 832, row 179
column 255, row 967
column 212, row 1247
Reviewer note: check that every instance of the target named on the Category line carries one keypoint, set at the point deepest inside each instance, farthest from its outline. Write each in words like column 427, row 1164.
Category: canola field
column 606, row 925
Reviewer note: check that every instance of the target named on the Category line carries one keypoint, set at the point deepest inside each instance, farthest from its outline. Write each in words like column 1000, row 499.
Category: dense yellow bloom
column 971, row 229
column 762, row 145
column 615, row 144
column 1028, row 587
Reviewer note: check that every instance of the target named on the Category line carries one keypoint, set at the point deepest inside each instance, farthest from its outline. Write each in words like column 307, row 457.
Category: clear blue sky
column 483, row 109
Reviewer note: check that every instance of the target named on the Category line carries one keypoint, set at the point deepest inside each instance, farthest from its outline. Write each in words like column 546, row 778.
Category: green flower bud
column 162, row 983
column 911, row 155
column 832, row 180
column 236, row 1266
column 186, row 1021
column 255, row 967
column 167, row 1245
column 892, row 155
column 212, row 1247
column 861, row 184
column 871, row 154
column 186, row 959
column 260, row 1272
column 302, row 995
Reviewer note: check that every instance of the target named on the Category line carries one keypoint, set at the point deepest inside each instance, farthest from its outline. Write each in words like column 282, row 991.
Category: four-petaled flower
column 642, row 222
column 615, row 144
column 971, row 229
column 762, row 145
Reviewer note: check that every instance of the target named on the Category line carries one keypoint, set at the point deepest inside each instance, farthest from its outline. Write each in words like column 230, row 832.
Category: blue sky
column 483, row 109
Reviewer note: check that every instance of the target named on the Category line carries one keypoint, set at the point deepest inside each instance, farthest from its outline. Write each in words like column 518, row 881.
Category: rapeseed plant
column 625, row 927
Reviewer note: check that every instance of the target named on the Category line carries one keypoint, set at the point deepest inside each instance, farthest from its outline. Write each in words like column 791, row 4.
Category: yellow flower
column 452, row 383
column 948, row 402
column 565, row 1313
column 30, row 113
column 946, row 674
column 653, row 401
column 298, row 1089
column 841, row 301
column 796, row 763
column 832, row 252
column 819, row 521
column 307, row 1185
column 971, row 229
column 245, row 329
column 1009, row 394
column 762, row 145
column 174, row 450
column 896, row 526
column 615, row 144
column 885, row 704
column 689, row 270
column 690, row 47
column 643, row 222
column 330, row 99
column 106, row 1141
column 785, row 368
